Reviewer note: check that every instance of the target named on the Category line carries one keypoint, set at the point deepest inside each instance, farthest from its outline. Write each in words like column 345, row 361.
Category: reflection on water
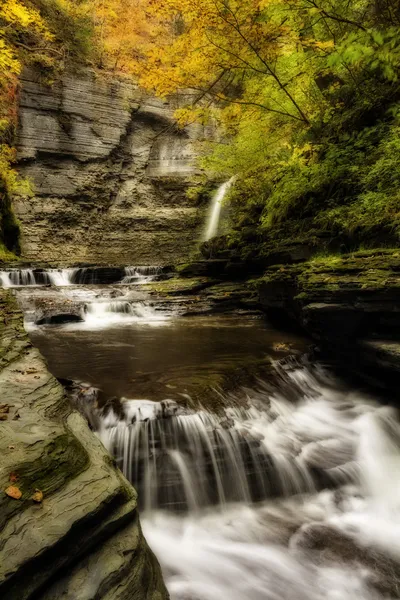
column 294, row 495
column 138, row 361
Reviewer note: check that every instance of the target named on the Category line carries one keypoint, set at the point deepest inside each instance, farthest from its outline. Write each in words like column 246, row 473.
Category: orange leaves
column 13, row 492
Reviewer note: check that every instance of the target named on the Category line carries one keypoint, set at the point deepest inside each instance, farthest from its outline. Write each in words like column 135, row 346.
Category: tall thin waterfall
column 215, row 210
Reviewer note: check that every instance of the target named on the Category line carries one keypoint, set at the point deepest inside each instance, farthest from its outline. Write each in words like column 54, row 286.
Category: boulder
column 73, row 525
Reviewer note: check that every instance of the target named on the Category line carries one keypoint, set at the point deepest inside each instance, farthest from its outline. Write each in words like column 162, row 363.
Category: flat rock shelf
column 84, row 534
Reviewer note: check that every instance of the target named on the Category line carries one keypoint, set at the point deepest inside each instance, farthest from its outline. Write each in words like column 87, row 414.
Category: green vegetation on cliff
column 46, row 35
column 306, row 96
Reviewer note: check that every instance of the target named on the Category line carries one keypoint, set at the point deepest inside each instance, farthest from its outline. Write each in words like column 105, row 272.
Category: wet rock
column 87, row 511
column 59, row 319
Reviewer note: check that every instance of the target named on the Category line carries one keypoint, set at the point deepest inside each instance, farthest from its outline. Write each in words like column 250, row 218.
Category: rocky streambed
column 69, row 521
column 261, row 474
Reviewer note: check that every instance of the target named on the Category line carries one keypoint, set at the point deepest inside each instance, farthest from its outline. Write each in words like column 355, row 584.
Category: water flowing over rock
column 215, row 209
column 106, row 161
column 291, row 438
column 72, row 531
column 79, row 276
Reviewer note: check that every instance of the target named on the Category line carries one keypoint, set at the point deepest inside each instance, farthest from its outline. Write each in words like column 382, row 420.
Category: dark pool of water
column 180, row 356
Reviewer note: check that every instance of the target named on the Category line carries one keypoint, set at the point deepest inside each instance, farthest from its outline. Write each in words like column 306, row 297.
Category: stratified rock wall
column 81, row 538
column 110, row 172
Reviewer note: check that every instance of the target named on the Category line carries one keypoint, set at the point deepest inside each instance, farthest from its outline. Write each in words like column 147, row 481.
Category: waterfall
column 291, row 493
column 61, row 277
column 140, row 275
column 30, row 277
column 17, row 278
column 74, row 276
column 103, row 314
column 215, row 209
column 271, row 447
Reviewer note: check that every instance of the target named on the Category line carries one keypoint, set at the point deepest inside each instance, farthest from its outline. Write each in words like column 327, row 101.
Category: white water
column 61, row 277
column 227, row 547
column 215, row 209
column 98, row 315
column 140, row 275
column 30, row 277
column 16, row 278
column 72, row 276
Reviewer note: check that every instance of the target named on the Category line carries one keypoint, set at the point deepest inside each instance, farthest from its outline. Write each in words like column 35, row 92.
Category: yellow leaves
column 324, row 45
column 37, row 496
column 17, row 14
column 9, row 62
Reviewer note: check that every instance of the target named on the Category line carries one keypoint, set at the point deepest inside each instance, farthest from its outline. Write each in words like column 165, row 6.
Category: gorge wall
column 110, row 172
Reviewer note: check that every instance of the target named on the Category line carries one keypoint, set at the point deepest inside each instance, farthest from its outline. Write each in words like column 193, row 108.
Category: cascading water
column 61, row 277
column 17, row 278
column 215, row 209
column 106, row 313
column 140, row 275
column 30, row 277
column 74, row 276
column 279, row 449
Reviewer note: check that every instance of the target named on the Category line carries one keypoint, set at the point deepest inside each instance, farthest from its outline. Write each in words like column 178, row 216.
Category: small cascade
column 61, row 277
column 79, row 276
column 19, row 277
column 140, row 275
column 119, row 311
column 37, row 277
column 215, row 209
column 182, row 459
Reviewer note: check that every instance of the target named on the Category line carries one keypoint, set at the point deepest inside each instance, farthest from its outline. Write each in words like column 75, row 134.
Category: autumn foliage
column 304, row 94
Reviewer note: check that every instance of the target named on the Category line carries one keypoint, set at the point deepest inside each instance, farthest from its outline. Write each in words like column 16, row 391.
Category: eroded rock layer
column 110, row 172
column 68, row 518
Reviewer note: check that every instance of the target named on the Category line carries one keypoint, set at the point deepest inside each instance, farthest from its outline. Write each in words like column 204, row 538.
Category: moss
column 6, row 255
column 333, row 275
column 174, row 287
column 9, row 227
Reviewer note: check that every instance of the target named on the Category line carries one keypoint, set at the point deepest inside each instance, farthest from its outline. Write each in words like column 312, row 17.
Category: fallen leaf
column 13, row 477
column 13, row 492
column 37, row 496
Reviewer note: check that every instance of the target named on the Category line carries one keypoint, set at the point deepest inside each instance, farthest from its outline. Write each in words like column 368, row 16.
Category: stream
column 259, row 477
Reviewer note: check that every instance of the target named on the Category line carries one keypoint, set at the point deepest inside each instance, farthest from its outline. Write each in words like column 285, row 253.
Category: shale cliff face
column 69, row 526
column 110, row 173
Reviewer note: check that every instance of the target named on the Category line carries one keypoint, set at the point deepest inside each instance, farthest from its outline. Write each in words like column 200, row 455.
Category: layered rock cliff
column 69, row 526
column 110, row 171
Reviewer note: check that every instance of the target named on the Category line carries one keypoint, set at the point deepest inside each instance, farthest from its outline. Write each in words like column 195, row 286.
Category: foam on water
column 141, row 275
column 280, row 449
column 72, row 276
column 119, row 312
